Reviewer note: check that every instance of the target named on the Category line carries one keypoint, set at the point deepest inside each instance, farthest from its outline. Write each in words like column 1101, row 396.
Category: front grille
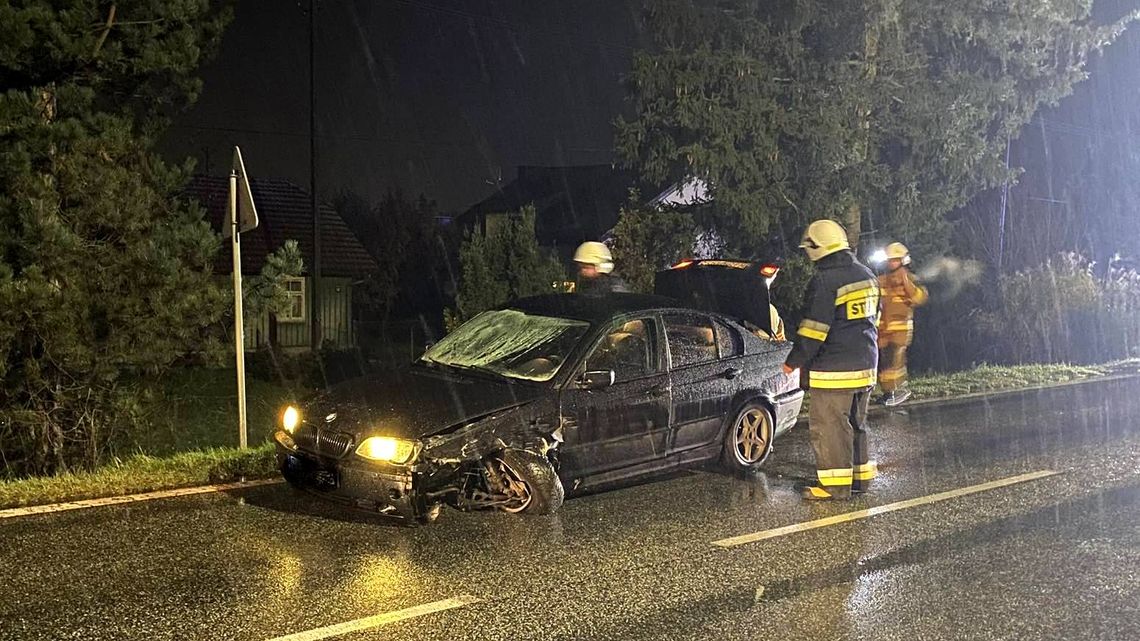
column 324, row 442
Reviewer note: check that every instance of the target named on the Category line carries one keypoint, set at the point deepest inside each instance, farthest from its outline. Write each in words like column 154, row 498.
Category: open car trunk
column 735, row 288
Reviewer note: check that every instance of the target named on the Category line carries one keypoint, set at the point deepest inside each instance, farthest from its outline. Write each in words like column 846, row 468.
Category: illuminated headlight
column 290, row 419
column 384, row 448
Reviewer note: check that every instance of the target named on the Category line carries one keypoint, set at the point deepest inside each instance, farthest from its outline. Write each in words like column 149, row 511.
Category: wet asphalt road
column 1056, row 558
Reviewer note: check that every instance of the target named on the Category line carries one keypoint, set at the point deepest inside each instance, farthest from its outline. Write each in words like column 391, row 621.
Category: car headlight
column 290, row 419
column 386, row 448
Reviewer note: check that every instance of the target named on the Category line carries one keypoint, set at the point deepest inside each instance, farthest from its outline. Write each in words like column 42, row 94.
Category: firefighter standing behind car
column 900, row 295
column 595, row 270
column 836, row 343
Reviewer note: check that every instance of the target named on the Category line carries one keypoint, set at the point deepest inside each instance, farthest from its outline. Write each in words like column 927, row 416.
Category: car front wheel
column 527, row 480
column 748, row 439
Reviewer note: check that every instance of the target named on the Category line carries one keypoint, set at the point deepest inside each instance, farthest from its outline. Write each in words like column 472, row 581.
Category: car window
column 627, row 350
column 692, row 339
column 728, row 340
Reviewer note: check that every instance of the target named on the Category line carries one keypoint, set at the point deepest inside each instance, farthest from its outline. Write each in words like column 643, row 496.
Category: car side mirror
column 596, row 379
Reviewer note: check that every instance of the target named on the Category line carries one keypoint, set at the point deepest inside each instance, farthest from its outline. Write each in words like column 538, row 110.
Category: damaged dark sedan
column 554, row 394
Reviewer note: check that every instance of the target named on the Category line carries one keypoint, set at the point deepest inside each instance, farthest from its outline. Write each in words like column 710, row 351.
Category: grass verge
column 994, row 378
column 1001, row 378
column 142, row 473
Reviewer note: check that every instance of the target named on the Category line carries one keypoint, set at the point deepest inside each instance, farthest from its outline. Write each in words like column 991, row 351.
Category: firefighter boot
column 897, row 397
column 831, row 493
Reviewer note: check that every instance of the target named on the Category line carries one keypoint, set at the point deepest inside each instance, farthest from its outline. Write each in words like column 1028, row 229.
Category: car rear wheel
column 528, row 480
column 748, row 439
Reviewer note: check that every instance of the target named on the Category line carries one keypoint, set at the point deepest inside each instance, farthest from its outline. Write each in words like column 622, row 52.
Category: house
column 574, row 204
column 285, row 213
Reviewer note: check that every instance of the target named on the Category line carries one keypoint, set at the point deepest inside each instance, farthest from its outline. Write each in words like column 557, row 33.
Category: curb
column 67, row 506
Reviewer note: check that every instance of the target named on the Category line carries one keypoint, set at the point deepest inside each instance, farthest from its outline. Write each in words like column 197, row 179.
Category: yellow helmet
column 597, row 254
column 898, row 250
column 824, row 238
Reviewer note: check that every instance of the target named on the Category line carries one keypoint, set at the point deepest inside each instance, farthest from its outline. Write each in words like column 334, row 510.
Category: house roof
column 284, row 211
column 572, row 204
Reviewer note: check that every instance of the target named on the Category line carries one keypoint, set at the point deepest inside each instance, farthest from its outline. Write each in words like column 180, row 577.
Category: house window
column 294, row 309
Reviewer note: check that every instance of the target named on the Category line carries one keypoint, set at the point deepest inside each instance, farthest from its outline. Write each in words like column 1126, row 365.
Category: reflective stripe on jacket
column 836, row 341
column 900, row 295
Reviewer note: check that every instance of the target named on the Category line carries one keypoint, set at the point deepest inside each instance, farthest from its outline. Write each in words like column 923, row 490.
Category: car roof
column 593, row 308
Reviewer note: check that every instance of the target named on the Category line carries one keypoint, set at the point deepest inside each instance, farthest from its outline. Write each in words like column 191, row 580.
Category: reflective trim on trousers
column 866, row 471
column 837, row 476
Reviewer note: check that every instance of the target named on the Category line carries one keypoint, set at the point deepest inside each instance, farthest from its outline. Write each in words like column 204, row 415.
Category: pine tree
column 105, row 275
column 503, row 264
column 884, row 111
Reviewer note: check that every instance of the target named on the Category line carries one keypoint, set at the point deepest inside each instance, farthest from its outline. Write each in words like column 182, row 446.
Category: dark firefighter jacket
column 836, row 340
column 600, row 285
column 900, row 295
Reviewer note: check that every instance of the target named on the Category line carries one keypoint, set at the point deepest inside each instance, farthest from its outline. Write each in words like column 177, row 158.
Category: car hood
column 415, row 402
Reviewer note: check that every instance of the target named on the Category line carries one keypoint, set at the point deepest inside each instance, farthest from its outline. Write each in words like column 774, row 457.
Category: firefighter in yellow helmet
column 900, row 295
column 836, row 344
column 595, row 270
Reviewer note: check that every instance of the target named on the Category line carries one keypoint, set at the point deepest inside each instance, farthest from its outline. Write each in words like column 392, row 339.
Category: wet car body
column 671, row 412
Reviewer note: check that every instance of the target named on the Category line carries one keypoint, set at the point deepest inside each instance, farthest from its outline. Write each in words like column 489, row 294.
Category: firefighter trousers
column 892, row 359
column 837, row 426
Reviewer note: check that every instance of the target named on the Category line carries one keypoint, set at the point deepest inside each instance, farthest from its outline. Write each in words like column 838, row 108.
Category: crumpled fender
column 532, row 426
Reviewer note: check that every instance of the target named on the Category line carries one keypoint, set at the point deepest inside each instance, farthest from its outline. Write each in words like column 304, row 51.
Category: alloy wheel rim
column 751, row 436
column 516, row 488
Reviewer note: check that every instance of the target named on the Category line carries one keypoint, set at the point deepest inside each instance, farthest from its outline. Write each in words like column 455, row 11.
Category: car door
column 625, row 423
column 705, row 356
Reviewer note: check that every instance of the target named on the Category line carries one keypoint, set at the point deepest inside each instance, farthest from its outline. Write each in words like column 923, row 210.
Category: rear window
column 692, row 339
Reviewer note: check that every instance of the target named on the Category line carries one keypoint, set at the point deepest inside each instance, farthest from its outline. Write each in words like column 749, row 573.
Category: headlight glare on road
column 290, row 419
column 385, row 448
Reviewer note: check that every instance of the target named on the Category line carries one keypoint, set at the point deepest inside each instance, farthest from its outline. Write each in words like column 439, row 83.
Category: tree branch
column 106, row 30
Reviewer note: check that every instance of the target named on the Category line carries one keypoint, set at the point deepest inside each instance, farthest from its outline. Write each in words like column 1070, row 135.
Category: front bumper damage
column 392, row 490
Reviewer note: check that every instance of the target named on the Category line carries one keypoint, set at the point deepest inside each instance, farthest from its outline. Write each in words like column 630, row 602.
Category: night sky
column 447, row 97
column 436, row 97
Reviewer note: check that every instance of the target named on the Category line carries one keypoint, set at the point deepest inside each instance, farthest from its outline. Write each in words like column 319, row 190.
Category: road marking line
column 130, row 498
column 380, row 619
column 880, row 509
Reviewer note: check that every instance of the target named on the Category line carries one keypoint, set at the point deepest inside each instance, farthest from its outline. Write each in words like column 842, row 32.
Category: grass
column 193, row 438
column 992, row 378
column 199, row 411
column 142, row 473
column 998, row 378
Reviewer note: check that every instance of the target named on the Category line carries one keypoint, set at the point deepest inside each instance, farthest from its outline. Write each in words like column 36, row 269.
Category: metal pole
column 239, row 321
column 315, row 295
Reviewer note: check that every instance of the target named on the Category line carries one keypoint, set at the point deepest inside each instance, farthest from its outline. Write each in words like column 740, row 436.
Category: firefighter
column 900, row 295
column 595, row 270
column 836, row 344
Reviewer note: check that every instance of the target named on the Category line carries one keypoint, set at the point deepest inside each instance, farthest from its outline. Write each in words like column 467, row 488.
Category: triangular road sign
column 246, row 211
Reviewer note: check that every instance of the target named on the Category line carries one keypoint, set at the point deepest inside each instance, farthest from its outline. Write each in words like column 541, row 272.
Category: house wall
column 336, row 320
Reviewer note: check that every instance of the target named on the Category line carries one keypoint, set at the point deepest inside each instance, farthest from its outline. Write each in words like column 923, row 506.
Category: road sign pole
column 239, row 321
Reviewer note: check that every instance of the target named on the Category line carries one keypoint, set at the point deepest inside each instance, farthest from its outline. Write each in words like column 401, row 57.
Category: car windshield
column 510, row 343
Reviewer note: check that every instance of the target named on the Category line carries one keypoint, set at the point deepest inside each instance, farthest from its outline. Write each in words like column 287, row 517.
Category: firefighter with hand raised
column 900, row 295
column 836, row 344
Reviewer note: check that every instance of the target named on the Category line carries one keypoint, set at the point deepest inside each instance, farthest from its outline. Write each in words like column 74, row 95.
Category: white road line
column 130, row 498
column 380, row 619
column 880, row 509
